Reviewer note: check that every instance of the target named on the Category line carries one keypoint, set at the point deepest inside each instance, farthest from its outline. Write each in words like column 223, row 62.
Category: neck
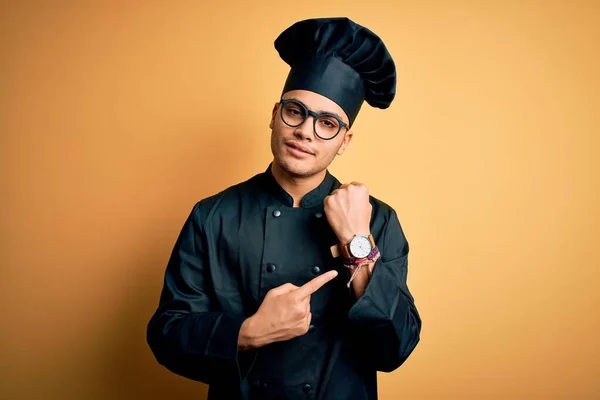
column 296, row 186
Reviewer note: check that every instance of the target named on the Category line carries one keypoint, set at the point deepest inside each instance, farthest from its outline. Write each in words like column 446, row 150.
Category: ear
column 347, row 138
column 273, row 114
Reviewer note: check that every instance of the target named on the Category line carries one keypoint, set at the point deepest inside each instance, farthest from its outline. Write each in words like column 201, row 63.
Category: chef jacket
column 237, row 245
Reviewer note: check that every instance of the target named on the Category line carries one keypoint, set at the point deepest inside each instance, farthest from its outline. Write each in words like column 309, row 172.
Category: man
column 291, row 285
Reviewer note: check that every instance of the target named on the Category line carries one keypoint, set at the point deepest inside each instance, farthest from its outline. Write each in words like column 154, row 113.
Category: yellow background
column 115, row 117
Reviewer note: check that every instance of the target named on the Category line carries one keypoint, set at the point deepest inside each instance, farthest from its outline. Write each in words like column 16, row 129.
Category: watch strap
column 352, row 262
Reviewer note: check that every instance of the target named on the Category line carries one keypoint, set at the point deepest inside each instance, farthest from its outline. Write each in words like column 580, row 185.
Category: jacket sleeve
column 188, row 333
column 384, row 319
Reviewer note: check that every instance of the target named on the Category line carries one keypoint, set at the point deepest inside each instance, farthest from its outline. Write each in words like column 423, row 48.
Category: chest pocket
column 296, row 249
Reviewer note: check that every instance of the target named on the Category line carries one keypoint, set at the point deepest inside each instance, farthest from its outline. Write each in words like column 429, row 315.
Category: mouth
column 299, row 148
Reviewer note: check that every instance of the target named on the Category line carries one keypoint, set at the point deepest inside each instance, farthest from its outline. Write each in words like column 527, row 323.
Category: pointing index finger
column 315, row 284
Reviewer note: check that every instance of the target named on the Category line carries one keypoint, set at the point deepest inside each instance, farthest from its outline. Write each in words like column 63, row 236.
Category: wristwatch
column 359, row 247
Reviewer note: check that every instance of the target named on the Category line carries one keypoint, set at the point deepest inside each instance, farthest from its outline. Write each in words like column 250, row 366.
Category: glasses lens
column 327, row 127
column 293, row 113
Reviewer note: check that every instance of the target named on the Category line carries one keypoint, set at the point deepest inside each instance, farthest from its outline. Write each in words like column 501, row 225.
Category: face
column 298, row 150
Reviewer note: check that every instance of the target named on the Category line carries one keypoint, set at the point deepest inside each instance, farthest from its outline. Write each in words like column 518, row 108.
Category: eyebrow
column 319, row 111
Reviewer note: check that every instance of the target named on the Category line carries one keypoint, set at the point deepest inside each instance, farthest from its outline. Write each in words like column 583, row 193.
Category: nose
column 306, row 130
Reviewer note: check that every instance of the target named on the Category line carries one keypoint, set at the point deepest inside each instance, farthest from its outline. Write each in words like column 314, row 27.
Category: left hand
column 348, row 211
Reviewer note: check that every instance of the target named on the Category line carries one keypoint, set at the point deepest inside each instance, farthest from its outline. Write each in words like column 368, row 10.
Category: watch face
column 360, row 247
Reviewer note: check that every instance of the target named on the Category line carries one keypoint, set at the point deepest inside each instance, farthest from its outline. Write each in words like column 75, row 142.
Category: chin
column 296, row 167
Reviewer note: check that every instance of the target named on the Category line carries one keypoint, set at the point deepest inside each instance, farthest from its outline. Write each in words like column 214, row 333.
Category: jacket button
column 311, row 328
column 318, row 215
column 316, row 269
column 306, row 388
column 276, row 213
column 271, row 267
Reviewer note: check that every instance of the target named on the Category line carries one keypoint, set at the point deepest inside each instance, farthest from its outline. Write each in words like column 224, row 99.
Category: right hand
column 284, row 313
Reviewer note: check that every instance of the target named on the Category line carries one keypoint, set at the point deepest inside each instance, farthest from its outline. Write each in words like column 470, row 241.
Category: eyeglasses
column 326, row 125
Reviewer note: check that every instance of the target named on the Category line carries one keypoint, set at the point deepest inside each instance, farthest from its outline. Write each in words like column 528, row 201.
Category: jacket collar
column 311, row 199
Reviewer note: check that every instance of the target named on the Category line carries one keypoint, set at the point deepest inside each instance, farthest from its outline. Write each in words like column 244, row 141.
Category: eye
column 329, row 123
column 293, row 110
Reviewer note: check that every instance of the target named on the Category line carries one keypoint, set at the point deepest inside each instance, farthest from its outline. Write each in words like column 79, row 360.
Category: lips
column 299, row 147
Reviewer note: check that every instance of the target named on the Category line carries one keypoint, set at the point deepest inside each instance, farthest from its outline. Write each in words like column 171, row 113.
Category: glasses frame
column 315, row 116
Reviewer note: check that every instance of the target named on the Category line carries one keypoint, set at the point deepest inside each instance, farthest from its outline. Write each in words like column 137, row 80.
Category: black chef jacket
column 237, row 245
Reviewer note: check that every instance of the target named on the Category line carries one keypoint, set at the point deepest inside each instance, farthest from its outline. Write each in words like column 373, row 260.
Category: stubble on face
column 300, row 168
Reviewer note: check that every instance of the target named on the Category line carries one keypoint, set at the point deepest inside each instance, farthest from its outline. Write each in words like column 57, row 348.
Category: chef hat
column 339, row 59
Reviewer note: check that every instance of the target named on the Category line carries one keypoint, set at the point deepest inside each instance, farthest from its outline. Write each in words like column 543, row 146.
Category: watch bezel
column 356, row 238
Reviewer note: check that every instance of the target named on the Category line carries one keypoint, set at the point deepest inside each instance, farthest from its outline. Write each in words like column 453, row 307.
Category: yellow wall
column 115, row 117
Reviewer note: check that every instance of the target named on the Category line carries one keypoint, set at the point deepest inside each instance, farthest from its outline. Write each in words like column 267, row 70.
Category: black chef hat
column 340, row 60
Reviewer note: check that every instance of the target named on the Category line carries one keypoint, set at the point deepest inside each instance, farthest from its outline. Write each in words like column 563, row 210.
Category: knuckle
column 300, row 312
column 304, row 328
